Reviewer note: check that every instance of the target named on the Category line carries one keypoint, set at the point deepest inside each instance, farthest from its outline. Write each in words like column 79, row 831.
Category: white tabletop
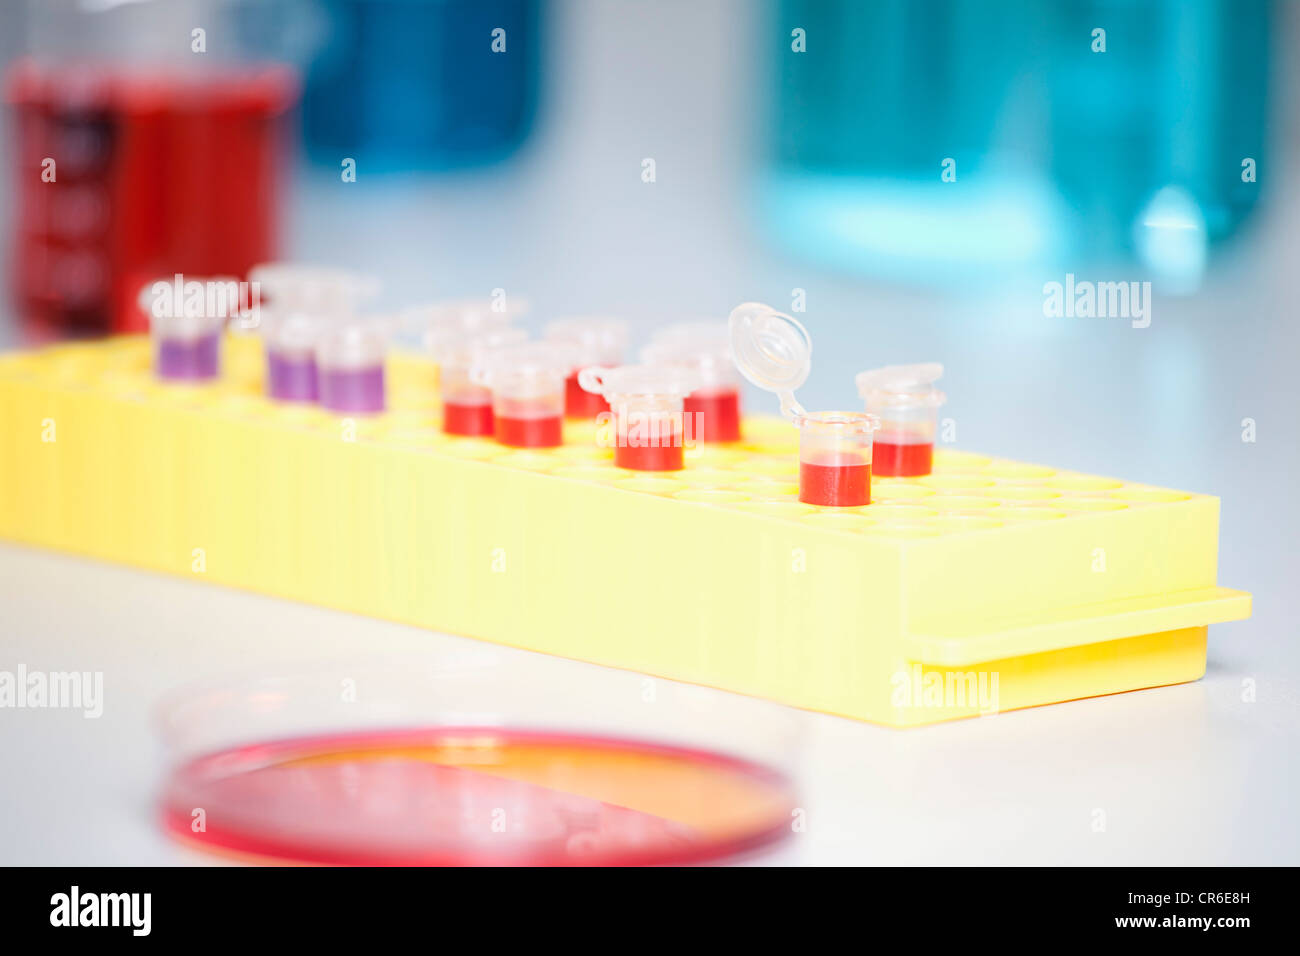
column 1187, row 774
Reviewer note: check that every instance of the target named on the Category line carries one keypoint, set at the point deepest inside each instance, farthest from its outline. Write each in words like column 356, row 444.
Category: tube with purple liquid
column 290, row 345
column 186, row 331
column 350, row 367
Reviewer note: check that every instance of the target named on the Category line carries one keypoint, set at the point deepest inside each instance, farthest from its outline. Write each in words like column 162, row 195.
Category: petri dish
column 475, row 764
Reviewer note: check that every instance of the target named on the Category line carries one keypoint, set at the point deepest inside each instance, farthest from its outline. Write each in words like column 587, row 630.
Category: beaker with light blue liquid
column 949, row 141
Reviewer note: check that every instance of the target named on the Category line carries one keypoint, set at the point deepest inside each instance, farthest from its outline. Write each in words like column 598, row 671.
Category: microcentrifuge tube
column 774, row 352
column 350, row 368
column 647, row 406
column 527, row 383
column 905, row 400
column 835, row 458
column 713, row 409
column 186, row 327
column 466, row 405
column 289, row 342
column 596, row 341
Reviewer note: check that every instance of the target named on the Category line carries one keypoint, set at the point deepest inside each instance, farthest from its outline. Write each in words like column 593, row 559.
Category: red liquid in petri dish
column 461, row 419
column 714, row 414
column 580, row 403
column 841, row 484
column 543, row 432
column 439, row 796
column 666, row 456
column 897, row 459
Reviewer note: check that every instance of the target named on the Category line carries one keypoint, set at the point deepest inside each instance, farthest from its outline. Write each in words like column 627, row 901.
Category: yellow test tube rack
column 988, row 585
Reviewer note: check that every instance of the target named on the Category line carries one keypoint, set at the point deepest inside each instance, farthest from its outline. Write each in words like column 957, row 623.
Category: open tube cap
column 772, row 350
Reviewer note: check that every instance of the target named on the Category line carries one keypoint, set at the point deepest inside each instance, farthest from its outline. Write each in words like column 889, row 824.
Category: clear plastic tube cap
column 599, row 337
column 294, row 332
column 656, row 380
column 913, row 384
column 301, row 287
column 175, row 312
column 457, row 347
column 352, row 345
column 491, row 366
column 464, row 315
column 771, row 349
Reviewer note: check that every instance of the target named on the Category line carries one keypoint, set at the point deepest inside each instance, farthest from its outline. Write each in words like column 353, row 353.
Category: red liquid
column 718, row 411
column 580, row 403
column 144, row 186
column 664, row 457
column 544, row 432
column 458, row 419
column 902, row 460
column 838, row 485
column 476, row 795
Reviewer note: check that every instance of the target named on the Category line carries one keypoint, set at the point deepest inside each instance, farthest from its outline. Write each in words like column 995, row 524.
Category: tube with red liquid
column 713, row 409
column 905, row 400
column 595, row 341
column 186, row 320
column 527, row 383
column 835, row 458
column 466, row 405
column 774, row 352
column 646, row 403
column 445, row 330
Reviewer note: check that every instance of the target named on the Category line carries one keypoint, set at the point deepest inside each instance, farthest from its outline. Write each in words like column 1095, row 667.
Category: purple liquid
column 188, row 360
column 352, row 389
column 291, row 378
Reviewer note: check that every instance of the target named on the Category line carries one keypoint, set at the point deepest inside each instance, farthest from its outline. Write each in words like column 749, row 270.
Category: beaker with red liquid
column 646, row 404
column 906, row 401
column 595, row 341
column 527, row 383
column 713, row 409
column 466, row 405
column 127, row 171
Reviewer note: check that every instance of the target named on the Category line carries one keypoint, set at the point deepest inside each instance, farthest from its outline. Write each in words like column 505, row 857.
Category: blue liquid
column 1063, row 156
column 406, row 85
